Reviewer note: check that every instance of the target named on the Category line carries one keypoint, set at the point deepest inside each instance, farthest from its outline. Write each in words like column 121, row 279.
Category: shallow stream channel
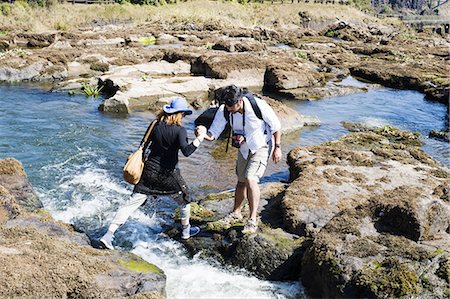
column 73, row 155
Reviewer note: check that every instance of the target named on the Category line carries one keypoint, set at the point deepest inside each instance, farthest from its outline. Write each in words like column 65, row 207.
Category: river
column 73, row 156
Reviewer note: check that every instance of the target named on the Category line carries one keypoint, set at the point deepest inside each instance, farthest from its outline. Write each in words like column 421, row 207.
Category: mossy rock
column 363, row 139
column 403, row 247
column 397, row 135
column 389, row 278
column 220, row 226
column 136, row 264
column 219, row 196
column 440, row 135
column 279, row 238
column 11, row 166
column 198, row 213
column 444, row 270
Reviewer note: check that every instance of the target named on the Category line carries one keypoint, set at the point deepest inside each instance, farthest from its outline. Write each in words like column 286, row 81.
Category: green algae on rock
column 137, row 264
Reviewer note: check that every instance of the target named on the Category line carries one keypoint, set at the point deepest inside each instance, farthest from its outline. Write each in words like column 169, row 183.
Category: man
column 255, row 139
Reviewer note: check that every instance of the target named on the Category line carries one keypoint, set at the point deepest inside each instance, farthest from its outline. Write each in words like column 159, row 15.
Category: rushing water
column 73, row 155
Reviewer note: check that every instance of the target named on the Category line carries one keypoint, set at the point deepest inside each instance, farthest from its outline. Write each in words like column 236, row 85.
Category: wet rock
column 317, row 93
column 269, row 254
column 405, row 76
column 440, row 135
column 29, row 72
column 14, row 179
column 272, row 255
column 117, row 104
column 78, row 268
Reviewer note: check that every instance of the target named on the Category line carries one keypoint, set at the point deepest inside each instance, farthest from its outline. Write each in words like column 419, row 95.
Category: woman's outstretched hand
column 200, row 132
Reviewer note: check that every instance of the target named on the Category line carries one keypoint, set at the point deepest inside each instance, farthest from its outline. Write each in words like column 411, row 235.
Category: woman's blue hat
column 178, row 105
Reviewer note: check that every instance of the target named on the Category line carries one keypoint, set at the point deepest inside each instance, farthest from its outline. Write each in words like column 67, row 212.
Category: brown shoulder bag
column 132, row 170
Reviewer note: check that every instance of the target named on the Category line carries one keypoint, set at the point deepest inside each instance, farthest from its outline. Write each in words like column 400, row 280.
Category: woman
column 161, row 175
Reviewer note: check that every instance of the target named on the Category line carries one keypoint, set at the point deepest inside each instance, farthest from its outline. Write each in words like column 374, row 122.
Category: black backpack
column 251, row 97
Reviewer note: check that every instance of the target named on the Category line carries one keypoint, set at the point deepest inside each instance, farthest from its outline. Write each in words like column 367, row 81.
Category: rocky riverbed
column 367, row 215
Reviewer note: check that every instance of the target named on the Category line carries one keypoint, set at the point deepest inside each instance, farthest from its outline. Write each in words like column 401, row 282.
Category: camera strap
column 231, row 125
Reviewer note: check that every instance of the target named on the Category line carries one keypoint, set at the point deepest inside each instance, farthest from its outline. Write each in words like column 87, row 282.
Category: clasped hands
column 200, row 132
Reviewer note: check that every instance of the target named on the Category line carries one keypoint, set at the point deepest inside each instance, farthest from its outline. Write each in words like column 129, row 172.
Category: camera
column 237, row 139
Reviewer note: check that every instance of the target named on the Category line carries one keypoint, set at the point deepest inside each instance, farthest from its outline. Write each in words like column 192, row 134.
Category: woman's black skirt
column 159, row 181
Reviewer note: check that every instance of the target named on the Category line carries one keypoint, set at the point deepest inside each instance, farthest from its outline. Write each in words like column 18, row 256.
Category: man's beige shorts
column 254, row 166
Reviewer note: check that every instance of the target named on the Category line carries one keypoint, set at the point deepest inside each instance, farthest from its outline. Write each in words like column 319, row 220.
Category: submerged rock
column 440, row 135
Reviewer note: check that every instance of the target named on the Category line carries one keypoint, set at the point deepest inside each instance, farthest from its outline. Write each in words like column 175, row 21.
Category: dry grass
column 66, row 17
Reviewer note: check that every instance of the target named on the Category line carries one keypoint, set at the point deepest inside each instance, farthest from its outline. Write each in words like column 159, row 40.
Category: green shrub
column 61, row 25
column 386, row 9
column 42, row 3
column 5, row 8
column 147, row 41
column 330, row 33
column 301, row 55
column 91, row 91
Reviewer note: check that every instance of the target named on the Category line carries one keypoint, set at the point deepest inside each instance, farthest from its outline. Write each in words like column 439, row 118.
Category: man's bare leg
column 239, row 196
column 254, row 195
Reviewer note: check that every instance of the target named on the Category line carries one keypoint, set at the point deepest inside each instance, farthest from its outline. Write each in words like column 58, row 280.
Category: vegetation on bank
column 41, row 16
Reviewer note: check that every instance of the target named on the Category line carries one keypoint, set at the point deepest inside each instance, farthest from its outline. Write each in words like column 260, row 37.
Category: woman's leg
column 188, row 230
column 133, row 203
column 185, row 214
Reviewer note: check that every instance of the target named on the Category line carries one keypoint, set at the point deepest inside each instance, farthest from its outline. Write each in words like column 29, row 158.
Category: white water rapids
column 95, row 196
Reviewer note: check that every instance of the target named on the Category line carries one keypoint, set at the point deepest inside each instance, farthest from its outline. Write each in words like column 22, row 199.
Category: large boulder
column 351, row 257
column 377, row 211
column 54, row 261
column 385, row 166
column 291, row 74
column 233, row 65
